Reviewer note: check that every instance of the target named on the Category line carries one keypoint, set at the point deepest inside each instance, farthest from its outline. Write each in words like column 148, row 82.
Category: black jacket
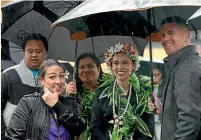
column 181, row 118
column 31, row 118
column 102, row 114
column 16, row 82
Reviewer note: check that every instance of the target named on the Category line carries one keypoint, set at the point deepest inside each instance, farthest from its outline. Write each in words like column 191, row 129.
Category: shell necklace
column 118, row 119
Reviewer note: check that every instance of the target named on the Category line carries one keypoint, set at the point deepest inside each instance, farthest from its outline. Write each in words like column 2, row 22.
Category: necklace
column 117, row 119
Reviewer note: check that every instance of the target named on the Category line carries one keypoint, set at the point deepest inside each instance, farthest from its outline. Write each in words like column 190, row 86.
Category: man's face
column 34, row 53
column 173, row 37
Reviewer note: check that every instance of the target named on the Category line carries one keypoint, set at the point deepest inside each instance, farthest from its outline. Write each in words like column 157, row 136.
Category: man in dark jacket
column 22, row 79
column 181, row 111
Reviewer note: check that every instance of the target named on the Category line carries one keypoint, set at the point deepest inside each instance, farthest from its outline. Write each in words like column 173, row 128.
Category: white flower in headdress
column 118, row 47
column 111, row 51
column 122, row 47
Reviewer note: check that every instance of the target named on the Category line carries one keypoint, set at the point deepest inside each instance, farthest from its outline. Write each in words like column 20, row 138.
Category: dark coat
column 181, row 117
column 102, row 114
column 31, row 118
column 16, row 82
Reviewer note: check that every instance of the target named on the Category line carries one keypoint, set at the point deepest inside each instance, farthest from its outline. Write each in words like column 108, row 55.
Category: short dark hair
column 175, row 19
column 47, row 63
column 35, row 36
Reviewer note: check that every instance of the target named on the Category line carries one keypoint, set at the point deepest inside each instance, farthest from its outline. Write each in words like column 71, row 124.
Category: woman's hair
column 47, row 63
column 126, row 48
column 96, row 61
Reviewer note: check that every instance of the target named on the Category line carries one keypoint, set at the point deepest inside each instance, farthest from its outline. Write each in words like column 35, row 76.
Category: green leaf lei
column 131, row 120
column 87, row 99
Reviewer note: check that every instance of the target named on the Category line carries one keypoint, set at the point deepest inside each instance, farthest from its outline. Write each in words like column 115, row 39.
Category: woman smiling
column 46, row 115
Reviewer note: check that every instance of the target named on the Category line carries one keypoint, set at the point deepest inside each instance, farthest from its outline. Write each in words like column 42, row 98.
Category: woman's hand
column 50, row 98
column 71, row 88
column 157, row 105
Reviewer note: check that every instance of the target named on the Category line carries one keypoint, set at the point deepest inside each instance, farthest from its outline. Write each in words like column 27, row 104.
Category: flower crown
column 122, row 47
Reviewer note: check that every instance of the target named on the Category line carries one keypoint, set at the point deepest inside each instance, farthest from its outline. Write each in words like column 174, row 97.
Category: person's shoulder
column 190, row 66
column 10, row 73
column 10, row 69
column 32, row 96
column 192, row 62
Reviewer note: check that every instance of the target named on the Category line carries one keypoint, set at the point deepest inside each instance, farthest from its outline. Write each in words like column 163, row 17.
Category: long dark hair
column 96, row 61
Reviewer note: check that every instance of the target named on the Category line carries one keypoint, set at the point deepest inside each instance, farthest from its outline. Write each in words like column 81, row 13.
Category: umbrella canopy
column 106, row 22
column 110, row 23
column 61, row 51
column 27, row 19
column 22, row 17
column 153, row 10
column 196, row 14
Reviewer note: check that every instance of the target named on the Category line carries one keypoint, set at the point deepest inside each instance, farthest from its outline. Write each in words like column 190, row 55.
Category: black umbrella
column 122, row 23
column 152, row 11
column 110, row 23
column 22, row 17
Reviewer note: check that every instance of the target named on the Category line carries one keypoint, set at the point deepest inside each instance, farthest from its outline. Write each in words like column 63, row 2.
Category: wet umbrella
column 195, row 15
column 22, row 17
column 109, row 23
column 153, row 11
column 121, row 23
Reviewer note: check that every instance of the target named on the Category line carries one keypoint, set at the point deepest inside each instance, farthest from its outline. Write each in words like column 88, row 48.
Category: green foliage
column 131, row 120
column 141, row 126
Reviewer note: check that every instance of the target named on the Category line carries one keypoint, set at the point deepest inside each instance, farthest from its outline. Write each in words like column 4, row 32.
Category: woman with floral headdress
column 120, row 104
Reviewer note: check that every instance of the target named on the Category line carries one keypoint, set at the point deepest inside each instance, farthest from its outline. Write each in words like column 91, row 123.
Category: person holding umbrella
column 88, row 76
column 21, row 79
column 46, row 114
column 181, row 110
column 119, row 107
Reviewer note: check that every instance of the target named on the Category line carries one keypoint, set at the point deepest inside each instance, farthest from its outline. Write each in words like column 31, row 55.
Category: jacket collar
column 26, row 75
column 171, row 60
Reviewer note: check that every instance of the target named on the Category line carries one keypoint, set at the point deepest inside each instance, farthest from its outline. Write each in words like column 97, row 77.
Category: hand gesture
column 157, row 105
column 71, row 88
column 50, row 98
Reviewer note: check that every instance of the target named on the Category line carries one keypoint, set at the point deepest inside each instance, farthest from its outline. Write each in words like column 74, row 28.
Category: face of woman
column 122, row 66
column 88, row 71
column 54, row 79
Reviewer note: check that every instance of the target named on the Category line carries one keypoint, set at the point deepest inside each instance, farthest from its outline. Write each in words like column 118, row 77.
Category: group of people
column 101, row 107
